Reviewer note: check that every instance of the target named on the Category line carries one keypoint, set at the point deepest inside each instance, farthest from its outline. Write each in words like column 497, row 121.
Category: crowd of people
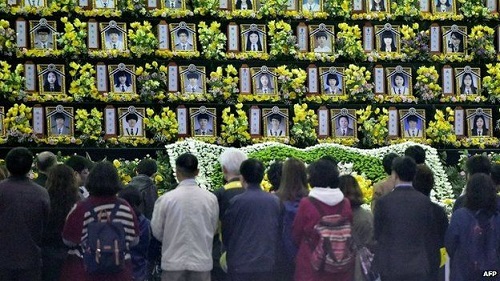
column 313, row 225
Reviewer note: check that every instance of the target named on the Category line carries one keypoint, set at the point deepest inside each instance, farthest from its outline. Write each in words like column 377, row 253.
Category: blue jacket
column 250, row 231
column 140, row 251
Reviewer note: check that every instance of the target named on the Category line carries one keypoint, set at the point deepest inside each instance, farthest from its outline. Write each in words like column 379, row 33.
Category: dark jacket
column 140, row 251
column 402, row 229
column 250, row 231
column 440, row 224
column 24, row 211
column 149, row 194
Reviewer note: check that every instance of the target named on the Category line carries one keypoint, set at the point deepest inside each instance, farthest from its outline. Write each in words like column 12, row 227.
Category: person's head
column 332, row 79
column 114, row 35
column 495, row 174
column 293, row 183
column 122, row 77
column 443, row 2
column 45, row 160
column 230, row 161
column 81, row 166
column 480, row 193
column 61, row 179
column 192, row 78
column 479, row 122
column 350, row 187
column 253, row 37
column 456, row 38
column 202, row 120
column 321, row 38
column 388, row 38
column 467, row 81
column 133, row 197
column 60, row 118
column 323, row 173
column 43, row 34
column 19, row 161
column 478, row 164
column 274, row 174
column 186, row 166
column 52, row 78
column 387, row 162
column 183, row 35
column 331, row 159
column 252, row 171
column 404, row 169
column 424, row 180
column 412, row 121
column 275, row 121
column 417, row 153
column 343, row 121
column 103, row 180
column 131, row 119
column 399, row 80
column 264, row 81
column 147, row 166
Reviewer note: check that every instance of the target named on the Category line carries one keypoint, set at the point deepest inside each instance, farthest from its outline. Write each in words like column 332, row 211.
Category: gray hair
column 231, row 159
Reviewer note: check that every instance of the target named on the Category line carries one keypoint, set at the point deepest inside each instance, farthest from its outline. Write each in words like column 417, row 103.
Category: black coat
column 403, row 225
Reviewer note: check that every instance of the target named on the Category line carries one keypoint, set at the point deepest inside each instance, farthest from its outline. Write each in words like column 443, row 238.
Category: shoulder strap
column 115, row 209
column 90, row 207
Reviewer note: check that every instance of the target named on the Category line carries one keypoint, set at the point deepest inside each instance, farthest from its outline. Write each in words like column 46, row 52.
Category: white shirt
column 324, row 49
column 185, row 220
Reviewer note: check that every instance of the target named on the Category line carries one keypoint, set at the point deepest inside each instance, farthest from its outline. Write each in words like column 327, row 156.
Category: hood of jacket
column 329, row 196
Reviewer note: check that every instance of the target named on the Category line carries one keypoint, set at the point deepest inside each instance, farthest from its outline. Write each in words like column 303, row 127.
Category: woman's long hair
column 480, row 193
column 293, row 184
column 63, row 192
column 46, row 83
column 249, row 44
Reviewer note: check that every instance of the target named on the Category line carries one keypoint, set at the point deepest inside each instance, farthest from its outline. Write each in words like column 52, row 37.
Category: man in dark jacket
column 402, row 228
column 24, row 211
column 144, row 183
column 251, row 228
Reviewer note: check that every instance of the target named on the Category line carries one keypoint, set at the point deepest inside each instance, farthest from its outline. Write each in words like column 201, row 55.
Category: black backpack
column 106, row 246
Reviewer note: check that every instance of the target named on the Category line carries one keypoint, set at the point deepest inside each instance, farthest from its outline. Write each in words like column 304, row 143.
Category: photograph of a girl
column 443, row 6
column 399, row 85
column 467, row 86
column 265, row 85
column 254, row 43
column 51, row 82
column 243, row 5
column 332, row 85
column 377, row 6
column 387, row 41
column 479, row 126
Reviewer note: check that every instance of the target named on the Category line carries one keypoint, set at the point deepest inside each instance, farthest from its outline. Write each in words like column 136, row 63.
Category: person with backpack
column 100, row 229
column 322, row 217
column 403, row 226
column 293, row 188
column 472, row 239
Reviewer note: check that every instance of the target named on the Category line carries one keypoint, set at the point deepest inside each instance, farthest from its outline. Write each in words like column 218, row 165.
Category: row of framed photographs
column 54, row 121
column 182, row 37
column 262, row 80
column 310, row 6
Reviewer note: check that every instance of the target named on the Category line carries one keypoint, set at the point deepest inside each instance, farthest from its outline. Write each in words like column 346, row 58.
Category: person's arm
column 158, row 219
column 452, row 236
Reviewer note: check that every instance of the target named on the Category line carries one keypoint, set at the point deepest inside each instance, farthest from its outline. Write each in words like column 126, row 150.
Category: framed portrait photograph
column 131, row 121
column 51, row 79
column 43, row 34
column 59, row 121
column 239, row 5
column 113, row 36
column 122, row 78
column 264, row 80
column 275, row 122
column 378, row 6
column 332, row 80
column 193, row 79
column 253, row 38
column 183, row 36
column 2, row 117
column 203, row 122
column 344, row 123
column 387, row 38
column 468, row 80
column 412, row 122
column 311, row 6
column 173, row 4
column 321, row 38
column 444, row 6
column 479, row 122
column 454, row 39
column 104, row 4
column 399, row 81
